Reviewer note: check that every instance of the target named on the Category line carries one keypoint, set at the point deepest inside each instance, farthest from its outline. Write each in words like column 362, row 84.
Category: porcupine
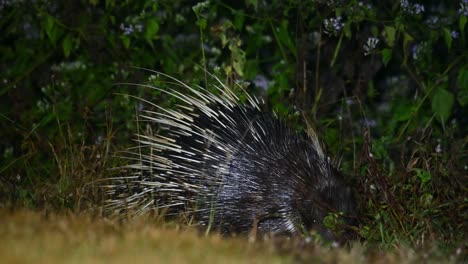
column 231, row 165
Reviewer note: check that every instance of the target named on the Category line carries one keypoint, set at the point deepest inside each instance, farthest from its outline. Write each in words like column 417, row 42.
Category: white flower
column 333, row 25
column 370, row 45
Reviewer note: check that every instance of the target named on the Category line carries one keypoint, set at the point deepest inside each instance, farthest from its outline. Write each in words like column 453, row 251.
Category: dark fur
column 235, row 171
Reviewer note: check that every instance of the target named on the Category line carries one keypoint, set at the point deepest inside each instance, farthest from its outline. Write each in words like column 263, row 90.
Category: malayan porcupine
column 230, row 165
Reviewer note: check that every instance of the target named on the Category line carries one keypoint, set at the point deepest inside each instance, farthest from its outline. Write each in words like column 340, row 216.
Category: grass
column 41, row 237
column 38, row 237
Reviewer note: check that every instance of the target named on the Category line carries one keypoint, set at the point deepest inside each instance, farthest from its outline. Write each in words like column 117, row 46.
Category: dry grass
column 35, row 238
column 38, row 237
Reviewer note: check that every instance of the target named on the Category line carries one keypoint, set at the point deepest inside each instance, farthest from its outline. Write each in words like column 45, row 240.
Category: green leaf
column 333, row 220
column 50, row 29
column 331, row 137
column 442, row 103
column 110, row 3
column 389, row 35
column 423, row 175
column 337, row 49
column 253, row 3
column 374, row 30
column 239, row 20
column 380, row 148
column 447, row 38
column 49, row 23
column 251, row 69
column 347, row 30
column 152, row 28
column 386, row 56
column 462, row 23
column 462, row 82
column 67, row 45
column 407, row 38
column 402, row 111
column 126, row 41
column 399, row 23
column 285, row 37
column 202, row 23
column 338, row 11
column 371, row 92
column 238, row 56
column 426, row 200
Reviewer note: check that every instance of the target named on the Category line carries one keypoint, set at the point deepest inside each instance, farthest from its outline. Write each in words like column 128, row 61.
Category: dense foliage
column 384, row 82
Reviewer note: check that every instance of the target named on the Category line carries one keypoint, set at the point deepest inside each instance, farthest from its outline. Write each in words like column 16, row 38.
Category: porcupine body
column 231, row 165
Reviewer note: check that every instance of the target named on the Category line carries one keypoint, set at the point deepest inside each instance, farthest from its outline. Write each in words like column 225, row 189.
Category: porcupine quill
column 231, row 165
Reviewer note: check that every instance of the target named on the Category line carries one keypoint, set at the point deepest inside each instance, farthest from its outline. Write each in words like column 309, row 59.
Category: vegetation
column 384, row 82
column 84, row 239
